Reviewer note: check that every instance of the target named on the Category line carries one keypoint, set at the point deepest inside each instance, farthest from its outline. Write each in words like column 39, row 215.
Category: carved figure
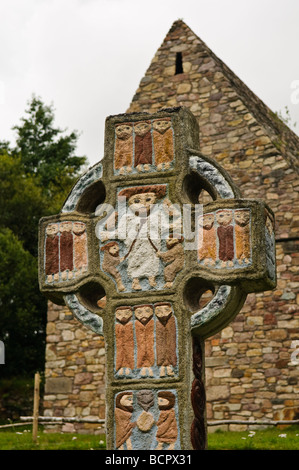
column 143, row 145
column 124, row 425
column 163, row 143
column 144, row 327
column 225, row 232
column 66, row 250
column 52, row 252
column 142, row 259
column 242, row 235
column 111, row 261
column 123, row 151
column 145, row 421
column 207, row 251
column 124, row 341
column 167, row 432
column 166, row 342
column 80, row 247
column 173, row 258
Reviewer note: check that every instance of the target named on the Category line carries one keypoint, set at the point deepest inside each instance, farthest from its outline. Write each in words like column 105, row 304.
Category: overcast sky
column 87, row 57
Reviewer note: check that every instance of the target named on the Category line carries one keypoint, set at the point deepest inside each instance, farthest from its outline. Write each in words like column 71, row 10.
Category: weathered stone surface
column 58, row 385
column 215, row 392
column 83, row 378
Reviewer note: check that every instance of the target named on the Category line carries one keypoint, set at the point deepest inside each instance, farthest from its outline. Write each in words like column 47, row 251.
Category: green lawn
column 268, row 439
column 22, row 440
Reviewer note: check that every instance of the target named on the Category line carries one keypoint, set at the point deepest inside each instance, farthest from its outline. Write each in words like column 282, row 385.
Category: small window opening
column 179, row 63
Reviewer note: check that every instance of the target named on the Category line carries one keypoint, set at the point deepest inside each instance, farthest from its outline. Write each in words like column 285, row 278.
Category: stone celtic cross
column 132, row 253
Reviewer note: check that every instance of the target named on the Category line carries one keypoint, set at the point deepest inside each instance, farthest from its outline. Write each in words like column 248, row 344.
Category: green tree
column 22, row 201
column 36, row 177
column 44, row 149
column 22, row 318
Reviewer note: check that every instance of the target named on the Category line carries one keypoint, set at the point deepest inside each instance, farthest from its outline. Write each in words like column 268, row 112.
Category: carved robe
column 80, row 250
column 167, row 427
column 145, row 343
column 124, row 345
column 166, row 342
column 242, row 235
column 208, row 249
column 174, row 259
column 142, row 257
column 226, row 242
column 124, row 426
column 123, row 153
column 66, row 251
column 52, row 261
column 163, row 146
column 143, row 149
column 110, row 264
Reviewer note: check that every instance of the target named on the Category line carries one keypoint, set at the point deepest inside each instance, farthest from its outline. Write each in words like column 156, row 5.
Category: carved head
column 142, row 128
column 79, row 228
column 141, row 203
column 124, row 401
column 161, row 125
column 52, row 230
column 123, row 131
column 141, row 198
column 145, row 398
column 206, row 221
column 242, row 217
column 163, row 311
column 166, row 400
column 123, row 314
column 224, row 217
column 174, row 240
column 65, row 227
column 112, row 248
column 144, row 313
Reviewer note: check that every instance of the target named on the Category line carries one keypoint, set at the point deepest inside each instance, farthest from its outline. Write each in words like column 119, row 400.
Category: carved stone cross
column 132, row 254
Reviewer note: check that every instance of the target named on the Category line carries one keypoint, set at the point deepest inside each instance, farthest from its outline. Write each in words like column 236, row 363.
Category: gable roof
column 161, row 86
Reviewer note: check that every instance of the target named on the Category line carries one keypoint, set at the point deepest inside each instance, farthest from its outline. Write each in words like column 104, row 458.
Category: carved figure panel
column 66, row 255
column 144, row 250
column 146, row 341
column 224, row 238
column 146, row 420
column 144, row 146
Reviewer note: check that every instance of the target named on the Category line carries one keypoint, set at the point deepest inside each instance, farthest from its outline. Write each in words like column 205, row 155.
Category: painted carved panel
column 144, row 146
column 144, row 249
column 146, row 341
column 66, row 254
column 146, row 419
column 224, row 240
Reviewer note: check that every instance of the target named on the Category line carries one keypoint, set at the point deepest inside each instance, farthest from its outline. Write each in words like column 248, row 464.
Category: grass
column 21, row 439
column 266, row 439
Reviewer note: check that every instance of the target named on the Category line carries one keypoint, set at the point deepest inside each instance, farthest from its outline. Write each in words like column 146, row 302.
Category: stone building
column 252, row 370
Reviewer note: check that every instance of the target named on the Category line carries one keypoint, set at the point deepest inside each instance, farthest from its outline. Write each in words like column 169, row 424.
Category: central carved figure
column 142, row 232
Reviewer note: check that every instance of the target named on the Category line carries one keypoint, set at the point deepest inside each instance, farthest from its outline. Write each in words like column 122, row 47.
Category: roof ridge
column 282, row 137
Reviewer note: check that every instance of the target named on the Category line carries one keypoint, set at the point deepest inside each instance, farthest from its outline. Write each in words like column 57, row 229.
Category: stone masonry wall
column 249, row 371
column 75, row 372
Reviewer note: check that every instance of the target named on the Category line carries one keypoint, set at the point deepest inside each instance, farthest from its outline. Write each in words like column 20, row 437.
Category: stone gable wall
column 249, row 371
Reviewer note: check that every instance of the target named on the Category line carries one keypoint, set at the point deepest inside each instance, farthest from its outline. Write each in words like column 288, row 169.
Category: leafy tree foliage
column 36, row 177
column 22, row 319
column 44, row 150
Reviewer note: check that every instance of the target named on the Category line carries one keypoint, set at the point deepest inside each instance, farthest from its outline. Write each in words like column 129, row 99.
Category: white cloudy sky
column 88, row 56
